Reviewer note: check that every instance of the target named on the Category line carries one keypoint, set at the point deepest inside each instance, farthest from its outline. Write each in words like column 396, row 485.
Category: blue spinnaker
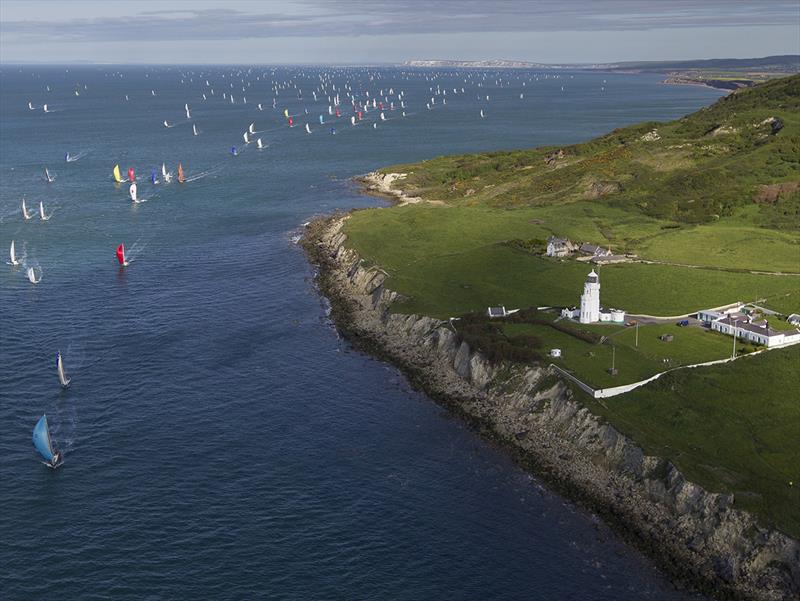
column 153, row 176
column 41, row 439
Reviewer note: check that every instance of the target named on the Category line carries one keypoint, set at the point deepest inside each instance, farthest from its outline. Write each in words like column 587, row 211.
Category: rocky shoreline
column 696, row 535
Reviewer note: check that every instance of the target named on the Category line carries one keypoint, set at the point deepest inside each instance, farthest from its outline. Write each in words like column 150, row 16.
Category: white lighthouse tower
column 590, row 299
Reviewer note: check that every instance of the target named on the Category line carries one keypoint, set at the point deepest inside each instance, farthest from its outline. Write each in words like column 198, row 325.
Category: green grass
column 450, row 261
column 730, row 428
column 590, row 362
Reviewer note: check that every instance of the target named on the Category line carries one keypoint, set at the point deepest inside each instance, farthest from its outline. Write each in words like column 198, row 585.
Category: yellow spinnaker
column 286, row 113
column 117, row 177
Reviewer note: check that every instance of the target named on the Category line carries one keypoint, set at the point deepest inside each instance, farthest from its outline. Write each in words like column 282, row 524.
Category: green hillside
column 743, row 150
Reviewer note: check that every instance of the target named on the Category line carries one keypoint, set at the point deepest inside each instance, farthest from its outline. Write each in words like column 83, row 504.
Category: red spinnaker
column 121, row 254
column 291, row 122
column 131, row 175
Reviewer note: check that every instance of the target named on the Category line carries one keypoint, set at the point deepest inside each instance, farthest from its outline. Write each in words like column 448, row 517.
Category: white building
column 559, row 247
column 760, row 333
column 590, row 299
column 590, row 310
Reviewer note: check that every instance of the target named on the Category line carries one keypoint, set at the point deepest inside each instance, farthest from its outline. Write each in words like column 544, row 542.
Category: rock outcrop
column 698, row 536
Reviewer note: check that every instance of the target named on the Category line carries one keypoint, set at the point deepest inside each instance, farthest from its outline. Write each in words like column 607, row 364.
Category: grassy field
column 731, row 428
column 450, row 261
column 590, row 362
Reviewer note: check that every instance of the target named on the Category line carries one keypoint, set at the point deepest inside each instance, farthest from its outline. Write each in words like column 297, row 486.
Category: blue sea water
column 221, row 441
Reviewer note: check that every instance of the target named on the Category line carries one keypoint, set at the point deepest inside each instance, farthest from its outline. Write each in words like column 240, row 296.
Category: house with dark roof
column 593, row 250
column 742, row 327
column 559, row 247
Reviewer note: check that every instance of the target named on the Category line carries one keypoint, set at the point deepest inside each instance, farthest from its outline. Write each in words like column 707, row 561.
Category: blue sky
column 375, row 31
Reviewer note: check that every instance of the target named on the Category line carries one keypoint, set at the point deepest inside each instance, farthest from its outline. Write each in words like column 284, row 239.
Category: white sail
column 30, row 105
column 12, row 255
column 259, row 144
column 32, row 276
column 308, row 128
column 165, row 174
column 194, row 129
column 482, row 115
column 47, row 176
column 25, row 213
column 132, row 190
column 204, row 96
column 252, row 128
column 165, row 123
column 259, row 107
column 62, row 377
column 42, row 216
column 246, row 139
column 352, row 120
column 188, row 112
column 44, row 108
column 383, row 117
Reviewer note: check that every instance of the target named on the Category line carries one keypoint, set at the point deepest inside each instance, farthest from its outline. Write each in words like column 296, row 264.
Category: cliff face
column 697, row 535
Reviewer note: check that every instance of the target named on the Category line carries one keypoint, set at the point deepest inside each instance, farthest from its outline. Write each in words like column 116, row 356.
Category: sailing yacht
column 32, row 276
column 48, row 178
column 259, row 144
column 42, row 216
column 188, row 112
column 12, row 255
column 117, row 176
column 194, row 129
column 167, row 175
column 132, row 191
column 123, row 261
column 25, row 213
column 181, row 178
column 44, row 444
column 62, row 377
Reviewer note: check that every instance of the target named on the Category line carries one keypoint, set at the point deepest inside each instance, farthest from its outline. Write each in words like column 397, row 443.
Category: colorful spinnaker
column 117, row 177
column 43, row 443
column 121, row 255
column 181, row 177
column 131, row 175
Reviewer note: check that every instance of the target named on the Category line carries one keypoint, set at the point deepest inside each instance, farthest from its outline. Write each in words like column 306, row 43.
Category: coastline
column 695, row 535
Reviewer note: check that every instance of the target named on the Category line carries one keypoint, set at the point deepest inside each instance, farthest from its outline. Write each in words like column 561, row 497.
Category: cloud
column 348, row 18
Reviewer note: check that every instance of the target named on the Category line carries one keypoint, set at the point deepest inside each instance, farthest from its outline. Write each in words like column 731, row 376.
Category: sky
column 393, row 31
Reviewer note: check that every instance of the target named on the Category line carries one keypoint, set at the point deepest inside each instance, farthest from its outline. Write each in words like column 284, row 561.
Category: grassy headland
column 711, row 202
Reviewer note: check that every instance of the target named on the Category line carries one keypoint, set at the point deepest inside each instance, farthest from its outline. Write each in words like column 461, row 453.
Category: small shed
column 555, row 352
column 492, row 312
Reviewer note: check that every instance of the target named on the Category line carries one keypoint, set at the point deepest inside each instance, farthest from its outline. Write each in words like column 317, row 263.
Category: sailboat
column 67, row 158
column 167, row 175
column 251, row 129
column 25, row 213
column 194, row 129
column 181, row 178
column 121, row 256
column 308, row 128
column 44, row 444
column 166, row 124
column 383, row 117
column 259, row 145
column 117, row 176
column 132, row 191
column 32, row 276
column 482, row 115
column 44, row 108
column 12, row 255
column 48, row 178
column 42, row 216
column 62, row 377
column 131, row 174
column 246, row 139
column 188, row 112
column 30, row 106
column 259, row 107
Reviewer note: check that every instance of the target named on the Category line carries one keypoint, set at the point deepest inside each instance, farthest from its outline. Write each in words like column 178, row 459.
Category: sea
column 220, row 439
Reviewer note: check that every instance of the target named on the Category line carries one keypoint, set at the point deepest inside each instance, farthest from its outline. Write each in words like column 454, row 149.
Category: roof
column 757, row 328
column 501, row 311
column 591, row 248
column 592, row 277
column 554, row 240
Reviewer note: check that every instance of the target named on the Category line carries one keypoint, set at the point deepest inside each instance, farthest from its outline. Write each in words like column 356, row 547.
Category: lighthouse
column 590, row 299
